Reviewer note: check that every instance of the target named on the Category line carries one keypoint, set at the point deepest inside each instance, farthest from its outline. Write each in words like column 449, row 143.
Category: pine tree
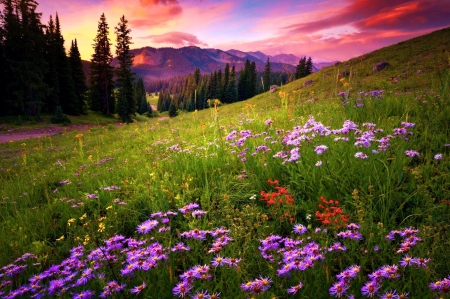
column 78, row 77
column 67, row 96
column 253, row 84
column 232, row 92
column 266, row 76
column 140, row 97
column 51, row 101
column 309, row 66
column 101, row 94
column 226, row 80
column 244, row 79
column 173, row 109
column 24, row 64
column 126, row 105
column 301, row 69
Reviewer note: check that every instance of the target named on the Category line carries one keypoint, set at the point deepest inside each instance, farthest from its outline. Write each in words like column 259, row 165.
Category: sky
column 325, row 30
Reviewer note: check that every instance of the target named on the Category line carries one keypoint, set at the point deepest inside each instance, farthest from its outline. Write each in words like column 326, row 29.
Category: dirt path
column 11, row 134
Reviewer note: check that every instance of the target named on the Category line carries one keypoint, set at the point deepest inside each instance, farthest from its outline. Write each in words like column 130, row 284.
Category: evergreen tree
column 266, row 76
column 173, row 109
column 101, row 94
column 78, row 77
column 301, row 69
column 226, row 80
column 2, row 71
column 51, row 101
column 67, row 97
column 141, row 97
column 231, row 95
column 126, row 105
column 24, row 64
column 253, row 83
column 309, row 66
column 244, row 79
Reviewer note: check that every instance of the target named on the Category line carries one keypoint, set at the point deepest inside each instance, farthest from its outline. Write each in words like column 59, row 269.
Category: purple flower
column 438, row 157
column 360, row 155
column 338, row 289
column 370, row 288
column 300, row 229
column 319, row 163
column 412, row 153
column 136, row 290
column 391, row 294
column 147, row 226
column 268, row 122
column 84, row 295
column 294, row 289
column 320, row 149
column 181, row 289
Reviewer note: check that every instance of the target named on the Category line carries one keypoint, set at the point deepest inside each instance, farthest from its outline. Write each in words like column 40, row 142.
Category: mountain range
column 162, row 63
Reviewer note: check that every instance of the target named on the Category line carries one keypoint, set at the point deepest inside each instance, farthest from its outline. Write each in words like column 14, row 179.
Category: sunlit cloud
column 324, row 29
column 178, row 39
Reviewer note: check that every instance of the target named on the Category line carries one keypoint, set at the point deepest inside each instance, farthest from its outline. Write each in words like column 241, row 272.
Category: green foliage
column 126, row 101
column 78, row 77
column 60, row 117
column 173, row 110
column 266, row 76
column 101, row 83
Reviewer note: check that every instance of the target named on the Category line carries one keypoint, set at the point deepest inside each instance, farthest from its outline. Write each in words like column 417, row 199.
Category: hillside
column 420, row 63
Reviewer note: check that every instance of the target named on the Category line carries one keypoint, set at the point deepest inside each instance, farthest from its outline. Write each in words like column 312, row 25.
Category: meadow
column 339, row 189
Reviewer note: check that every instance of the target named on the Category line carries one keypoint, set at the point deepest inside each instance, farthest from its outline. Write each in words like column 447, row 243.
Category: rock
column 273, row 88
column 343, row 74
column 379, row 66
column 309, row 82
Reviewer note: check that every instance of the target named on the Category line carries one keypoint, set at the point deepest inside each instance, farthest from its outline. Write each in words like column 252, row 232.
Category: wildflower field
column 340, row 189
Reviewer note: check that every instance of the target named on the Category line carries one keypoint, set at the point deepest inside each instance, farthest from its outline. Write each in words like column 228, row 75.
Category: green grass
column 53, row 195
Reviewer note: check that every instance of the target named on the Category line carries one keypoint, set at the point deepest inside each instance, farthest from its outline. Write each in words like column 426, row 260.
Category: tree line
column 39, row 77
column 196, row 91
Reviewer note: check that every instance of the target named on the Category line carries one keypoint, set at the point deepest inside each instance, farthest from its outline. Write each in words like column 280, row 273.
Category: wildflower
column 370, row 288
column 294, row 289
column 268, row 122
column 217, row 261
column 338, row 289
column 232, row 262
column 391, row 294
column 361, row 155
column 412, row 153
column 84, row 295
column 421, row 262
column 138, row 289
column 300, row 229
column 319, row 163
column 181, row 289
column 147, row 226
column 320, row 149
column 438, row 157
column 201, row 295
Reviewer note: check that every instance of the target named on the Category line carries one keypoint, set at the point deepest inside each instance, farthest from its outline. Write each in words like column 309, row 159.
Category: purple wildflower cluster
column 367, row 137
column 362, row 95
column 257, row 286
column 131, row 255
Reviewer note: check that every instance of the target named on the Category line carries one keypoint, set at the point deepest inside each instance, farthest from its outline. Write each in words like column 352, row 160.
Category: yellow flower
column 108, row 207
column 79, row 135
column 83, row 217
column 70, row 221
column 60, row 238
column 101, row 227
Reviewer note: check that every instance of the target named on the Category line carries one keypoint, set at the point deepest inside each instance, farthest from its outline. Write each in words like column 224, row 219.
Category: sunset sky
column 326, row 30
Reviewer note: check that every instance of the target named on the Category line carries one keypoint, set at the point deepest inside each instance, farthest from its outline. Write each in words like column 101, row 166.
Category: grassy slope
column 385, row 192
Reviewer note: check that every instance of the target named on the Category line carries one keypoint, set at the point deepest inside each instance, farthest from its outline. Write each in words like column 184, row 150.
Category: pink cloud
column 178, row 39
column 152, row 19
column 156, row 2
column 393, row 14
